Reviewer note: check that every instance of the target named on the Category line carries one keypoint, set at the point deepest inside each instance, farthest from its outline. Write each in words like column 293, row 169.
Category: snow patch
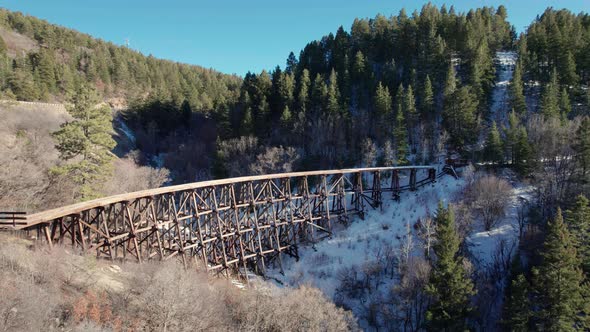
column 484, row 244
column 122, row 126
column 505, row 63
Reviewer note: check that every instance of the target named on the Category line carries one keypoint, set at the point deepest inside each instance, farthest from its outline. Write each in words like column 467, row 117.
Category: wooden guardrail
column 12, row 218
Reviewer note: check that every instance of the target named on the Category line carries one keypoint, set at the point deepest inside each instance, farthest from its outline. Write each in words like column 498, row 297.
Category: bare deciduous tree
column 408, row 296
column 128, row 177
column 275, row 160
column 489, row 196
column 369, row 153
column 427, row 233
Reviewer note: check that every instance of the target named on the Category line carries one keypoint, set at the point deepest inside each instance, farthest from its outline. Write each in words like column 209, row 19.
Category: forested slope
column 44, row 61
column 386, row 84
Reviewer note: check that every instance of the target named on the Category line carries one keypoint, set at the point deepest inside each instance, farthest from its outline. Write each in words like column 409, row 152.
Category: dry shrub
column 88, row 326
column 463, row 219
column 167, row 297
column 275, row 160
column 237, row 153
column 38, row 294
column 408, row 296
column 129, row 177
column 25, row 305
column 301, row 309
column 244, row 156
column 30, row 296
column 95, row 309
column 26, row 154
column 489, row 196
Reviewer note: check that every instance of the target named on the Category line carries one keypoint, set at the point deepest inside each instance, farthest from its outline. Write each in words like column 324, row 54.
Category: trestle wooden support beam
column 227, row 225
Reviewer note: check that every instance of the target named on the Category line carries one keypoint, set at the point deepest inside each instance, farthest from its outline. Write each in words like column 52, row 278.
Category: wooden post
column 413, row 179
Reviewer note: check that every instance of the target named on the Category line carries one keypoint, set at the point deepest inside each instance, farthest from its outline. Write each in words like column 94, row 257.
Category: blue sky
column 239, row 35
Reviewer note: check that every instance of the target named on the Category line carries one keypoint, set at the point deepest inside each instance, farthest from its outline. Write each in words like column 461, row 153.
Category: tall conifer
column 559, row 280
column 449, row 287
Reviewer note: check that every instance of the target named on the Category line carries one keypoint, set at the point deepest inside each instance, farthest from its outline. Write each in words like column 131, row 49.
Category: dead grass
column 65, row 291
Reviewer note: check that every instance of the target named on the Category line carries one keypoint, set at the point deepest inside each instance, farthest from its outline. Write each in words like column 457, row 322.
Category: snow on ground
column 505, row 62
column 157, row 160
column 363, row 240
column 484, row 244
column 122, row 126
column 123, row 135
column 491, row 253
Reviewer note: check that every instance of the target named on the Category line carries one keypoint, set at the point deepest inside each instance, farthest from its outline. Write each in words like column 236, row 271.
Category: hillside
column 44, row 61
column 64, row 291
column 28, row 155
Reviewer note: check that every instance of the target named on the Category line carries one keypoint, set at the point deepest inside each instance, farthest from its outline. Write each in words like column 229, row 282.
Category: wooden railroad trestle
column 226, row 225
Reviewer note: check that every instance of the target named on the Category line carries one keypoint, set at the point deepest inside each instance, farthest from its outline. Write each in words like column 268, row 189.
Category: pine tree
column 522, row 151
column 493, row 146
column 459, row 118
column 319, row 93
column 578, row 222
column 399, row 98
column 286, row 90
column 286, row 119
column 516, row 308
column 559, row 280
column 582, row 147
column 400, row 136
column 565, row 106
column 410, row 113
column 187, row 112
column 333, row 103
column 567, row 70
column 303, row 95
column 427, row 100
column 517, row 98
column 511, row 136
column 291, row 63
column 247, row 125
column 86, row 140
column 450, row 82
column 382, row 102
column 517, row 305
column 449, row 286
column 359, row 68
column 383, row 110
column 482, row 72
column 3, row 47
column 550, row 98
column 262, row 127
